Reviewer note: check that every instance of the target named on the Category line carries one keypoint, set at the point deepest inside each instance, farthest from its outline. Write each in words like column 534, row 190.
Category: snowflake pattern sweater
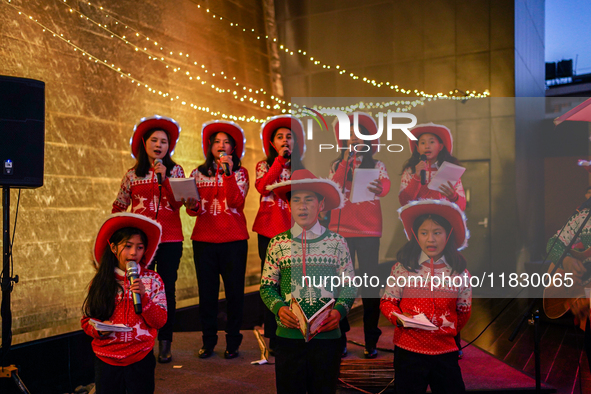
column 363, row 219
column 411, row 188
column 326, row 256
column 220, row 213
column 274, row 216
column 142, row 194
column 126, row 348
column 447, row 307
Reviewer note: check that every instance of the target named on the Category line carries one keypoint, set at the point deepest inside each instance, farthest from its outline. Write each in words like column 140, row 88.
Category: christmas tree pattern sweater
column 220, row 213
column 568, row 233
column 447, row 307
column 412, row 190
column 362, row 219
column 274, row 216
column 142, row 194
column 282, row 279
column 126, row 348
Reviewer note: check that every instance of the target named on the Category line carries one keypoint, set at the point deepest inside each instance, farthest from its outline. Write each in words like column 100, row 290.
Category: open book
column 419, row 321
column 101, row 326
column 184, row 188
column 309, row 327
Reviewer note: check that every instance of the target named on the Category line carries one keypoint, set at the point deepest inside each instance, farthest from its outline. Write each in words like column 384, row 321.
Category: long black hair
column 207, row 168
column 409, row 254
column 143, row 165
column 367, row 160
column 295, row 160
column 100, row 301
column 415, row 158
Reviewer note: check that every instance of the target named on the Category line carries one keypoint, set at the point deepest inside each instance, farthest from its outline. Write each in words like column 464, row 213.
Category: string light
column 165, row 95
column 200, row 79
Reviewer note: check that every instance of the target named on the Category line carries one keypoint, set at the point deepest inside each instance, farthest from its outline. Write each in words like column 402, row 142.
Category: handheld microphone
column 225, row 165
column 286, row 153
column 158, row 175
column 133, row 274
column 423, row 172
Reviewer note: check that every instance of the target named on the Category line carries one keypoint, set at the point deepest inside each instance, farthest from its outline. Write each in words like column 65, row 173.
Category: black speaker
column 22, row 132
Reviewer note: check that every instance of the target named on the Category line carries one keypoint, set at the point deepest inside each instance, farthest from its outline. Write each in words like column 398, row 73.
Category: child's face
column 429, row 145
column 221, row 143
column 157, row 145
column 283, row 140
column 432, row 239
column 131, row 250
column 354, row 140
column 305, row 208
column 588, row 194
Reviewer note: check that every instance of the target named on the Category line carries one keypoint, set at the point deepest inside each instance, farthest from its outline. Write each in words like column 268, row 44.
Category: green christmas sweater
column 314, row 283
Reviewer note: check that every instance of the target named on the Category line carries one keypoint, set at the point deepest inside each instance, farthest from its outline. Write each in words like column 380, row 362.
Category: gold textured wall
column 90, row 113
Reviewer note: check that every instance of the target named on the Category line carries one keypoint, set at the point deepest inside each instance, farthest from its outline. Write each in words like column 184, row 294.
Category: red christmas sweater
column 126, row 348
column 411, row 188
column 447, row 306
column 274, row 216
column 362, row 219
column 220, row 213
column 142, row 194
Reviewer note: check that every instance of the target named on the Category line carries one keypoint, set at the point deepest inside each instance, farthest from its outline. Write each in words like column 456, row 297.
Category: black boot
column 164, row 354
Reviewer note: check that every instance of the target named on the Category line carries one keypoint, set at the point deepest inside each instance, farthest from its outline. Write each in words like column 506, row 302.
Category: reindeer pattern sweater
column 142, row 194
column 220, row 213
column 447, row 307
column 126, row 348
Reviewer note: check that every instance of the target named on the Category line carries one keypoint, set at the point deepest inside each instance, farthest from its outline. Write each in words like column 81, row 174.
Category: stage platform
column 188, row 374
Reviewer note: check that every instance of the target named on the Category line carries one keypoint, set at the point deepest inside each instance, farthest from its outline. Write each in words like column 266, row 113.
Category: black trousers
column 415, row 371
column 227, row 260
column 137, row 378
column 166, row 262
column 311, row 367
column 268, row 317
column 367, row 250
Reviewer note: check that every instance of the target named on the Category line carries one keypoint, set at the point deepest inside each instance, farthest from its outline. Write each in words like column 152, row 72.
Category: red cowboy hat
column 228, row 127
column 448, row 210
column 150, row 123
column 440, row 131
column 117, row 221
column 366, row 121
column 305, row 180
column 288, row 122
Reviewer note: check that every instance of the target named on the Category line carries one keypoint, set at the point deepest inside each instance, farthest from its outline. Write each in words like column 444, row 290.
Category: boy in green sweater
column 311, row 265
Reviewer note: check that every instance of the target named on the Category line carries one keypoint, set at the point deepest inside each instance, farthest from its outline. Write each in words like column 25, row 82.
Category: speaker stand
column 9, row 371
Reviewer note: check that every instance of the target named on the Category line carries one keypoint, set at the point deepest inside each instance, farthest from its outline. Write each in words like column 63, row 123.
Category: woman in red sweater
column 146, row 188
column 435, row 230
column 283, row 142
column 220, row 235
column 435, row 143
column 361, row 222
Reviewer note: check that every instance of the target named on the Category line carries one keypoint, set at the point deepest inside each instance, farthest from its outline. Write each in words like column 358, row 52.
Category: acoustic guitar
column 557, row 300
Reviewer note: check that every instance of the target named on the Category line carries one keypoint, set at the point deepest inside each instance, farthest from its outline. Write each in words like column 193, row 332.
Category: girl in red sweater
column 435, row 142
column 146, row 187
column 124, row 360
column 435, row 229
column 361, row 223
column 220, row 236
column 283, row 143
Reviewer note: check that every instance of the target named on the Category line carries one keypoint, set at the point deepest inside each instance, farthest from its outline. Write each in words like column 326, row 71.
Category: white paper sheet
column 362, row 177
column 184, row 188
column 448, row 172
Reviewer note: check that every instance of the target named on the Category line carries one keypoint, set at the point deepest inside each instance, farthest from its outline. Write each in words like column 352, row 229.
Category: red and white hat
column 366, row 121
column 117, row 221
column 228, row 127
column 448, row 210
column 150, row 123
column 288, row 122
column 439, row 130
column 305, row 180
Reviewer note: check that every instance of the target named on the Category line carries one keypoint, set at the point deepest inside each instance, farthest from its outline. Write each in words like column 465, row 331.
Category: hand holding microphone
column 423, row 158
column 224, row 163
column 158, row 162
column 137, row 287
